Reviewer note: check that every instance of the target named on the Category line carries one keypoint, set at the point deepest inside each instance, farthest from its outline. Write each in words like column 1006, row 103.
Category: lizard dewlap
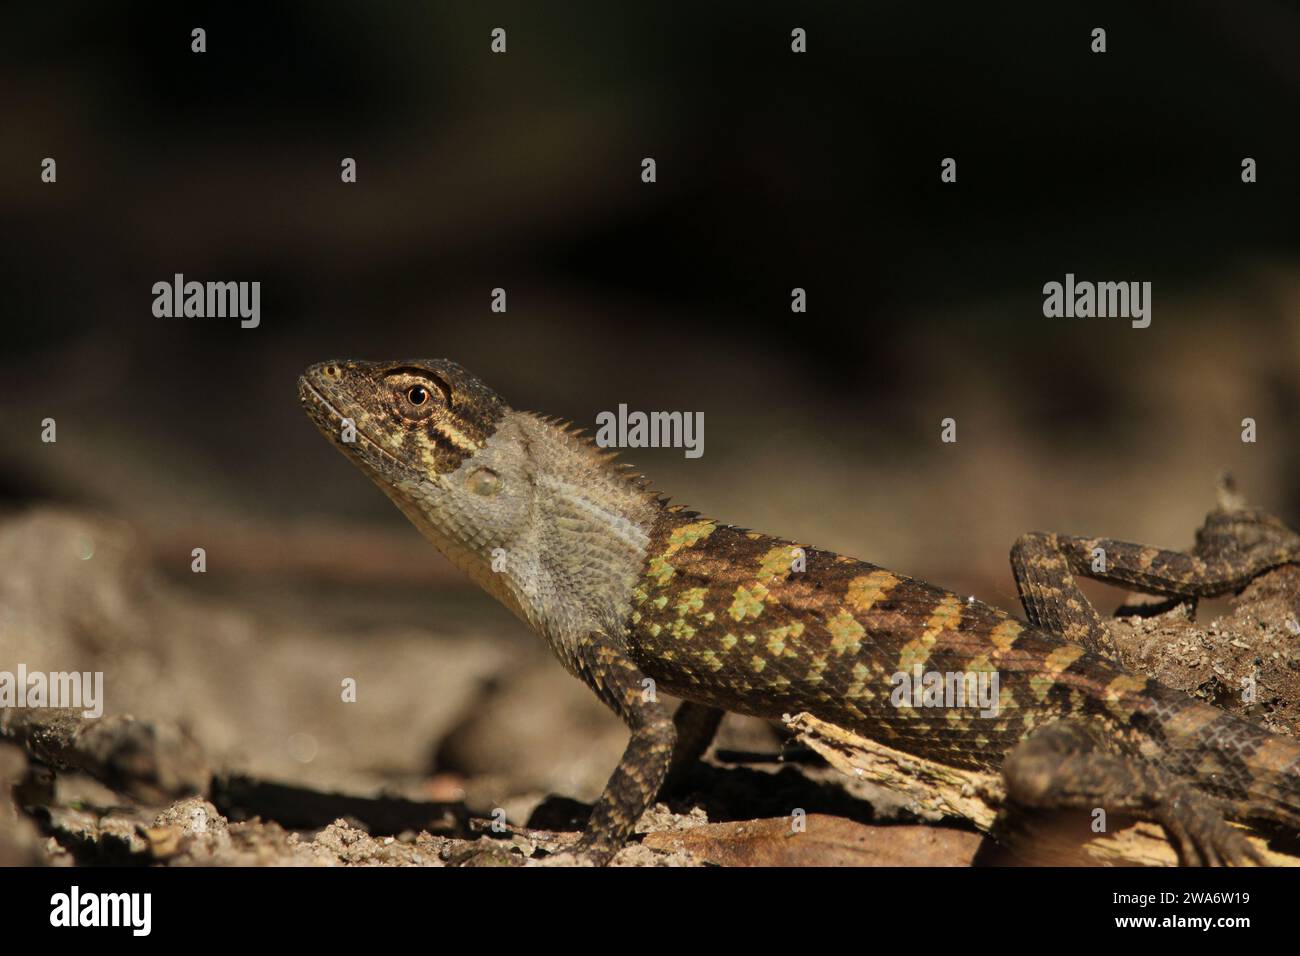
column 626, row 588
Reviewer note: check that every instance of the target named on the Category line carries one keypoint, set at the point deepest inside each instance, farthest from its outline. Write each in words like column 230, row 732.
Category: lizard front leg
column 1232, row 547
column 605, row 667
column 608, row 670
column 1068, row 765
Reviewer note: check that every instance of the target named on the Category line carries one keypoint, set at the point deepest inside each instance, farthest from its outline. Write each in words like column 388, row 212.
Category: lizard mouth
column 329, row 421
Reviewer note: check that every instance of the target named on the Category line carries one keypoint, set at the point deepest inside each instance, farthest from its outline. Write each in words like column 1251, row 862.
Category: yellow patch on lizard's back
column 1123, row 685
column 681, row 630
column 748, row 602
column 1061, row 658
column 945, row 617
column 688, row 535
column 846, row 633
column 1005, row 634
column 860, row 686
column 691, row 601
column 780, row 638
column 776, row 564
column 1041, row 684
column 814, row 675
column 1123, row 693
column 659, row 571
column 865, row 590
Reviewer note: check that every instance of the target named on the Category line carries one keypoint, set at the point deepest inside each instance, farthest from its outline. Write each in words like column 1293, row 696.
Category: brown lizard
column 635, row 596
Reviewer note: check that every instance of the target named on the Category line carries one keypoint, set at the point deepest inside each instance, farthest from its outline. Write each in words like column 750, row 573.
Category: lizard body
column 633, row 593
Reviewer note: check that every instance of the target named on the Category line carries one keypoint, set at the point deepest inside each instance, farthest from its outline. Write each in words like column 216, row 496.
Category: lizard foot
column 585, row 852
column 1201, row 835
column 1065, row 765
column 484, row 853
column 568, row 858
column 1255, row 540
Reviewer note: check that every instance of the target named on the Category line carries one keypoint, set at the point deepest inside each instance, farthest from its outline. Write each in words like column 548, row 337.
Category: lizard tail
column 1230, row 757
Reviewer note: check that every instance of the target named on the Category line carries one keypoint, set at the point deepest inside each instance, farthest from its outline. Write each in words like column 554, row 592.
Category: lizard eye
column 414, row 398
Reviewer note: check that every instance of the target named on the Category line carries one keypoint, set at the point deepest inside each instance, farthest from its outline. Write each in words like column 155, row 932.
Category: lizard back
column 721, row 616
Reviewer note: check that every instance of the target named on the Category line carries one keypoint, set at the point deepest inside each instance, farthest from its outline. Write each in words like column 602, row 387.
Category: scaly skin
column 636, row 596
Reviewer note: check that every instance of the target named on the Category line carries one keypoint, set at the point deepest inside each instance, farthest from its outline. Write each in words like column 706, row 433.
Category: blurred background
column 522, row 171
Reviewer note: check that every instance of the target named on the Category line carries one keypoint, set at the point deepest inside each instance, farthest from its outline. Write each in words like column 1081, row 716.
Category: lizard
column 636, row 595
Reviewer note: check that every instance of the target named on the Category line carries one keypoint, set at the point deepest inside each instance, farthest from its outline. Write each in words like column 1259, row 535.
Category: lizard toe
column 484, row 852
column 1201, row 835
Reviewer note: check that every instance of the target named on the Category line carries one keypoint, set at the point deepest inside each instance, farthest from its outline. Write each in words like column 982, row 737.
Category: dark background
column 775, row 170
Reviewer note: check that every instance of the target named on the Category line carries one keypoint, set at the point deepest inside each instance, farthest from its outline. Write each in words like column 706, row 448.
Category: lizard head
column 487, row 484
column 431, row 436
column 411, row 419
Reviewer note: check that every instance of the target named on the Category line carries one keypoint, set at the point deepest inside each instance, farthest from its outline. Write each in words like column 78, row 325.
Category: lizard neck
column 561, row 543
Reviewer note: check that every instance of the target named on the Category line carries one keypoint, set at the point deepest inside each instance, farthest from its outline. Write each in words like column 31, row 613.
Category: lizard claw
column 489, row 852
column 587, row 851
column 569, row 857
column 484, row 853
column 1201, row 835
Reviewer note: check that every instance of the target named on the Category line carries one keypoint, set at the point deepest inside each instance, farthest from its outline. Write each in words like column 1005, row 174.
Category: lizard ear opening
column 485, row 482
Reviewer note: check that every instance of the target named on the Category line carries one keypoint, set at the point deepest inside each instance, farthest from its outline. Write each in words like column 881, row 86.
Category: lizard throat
column 561, row 545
